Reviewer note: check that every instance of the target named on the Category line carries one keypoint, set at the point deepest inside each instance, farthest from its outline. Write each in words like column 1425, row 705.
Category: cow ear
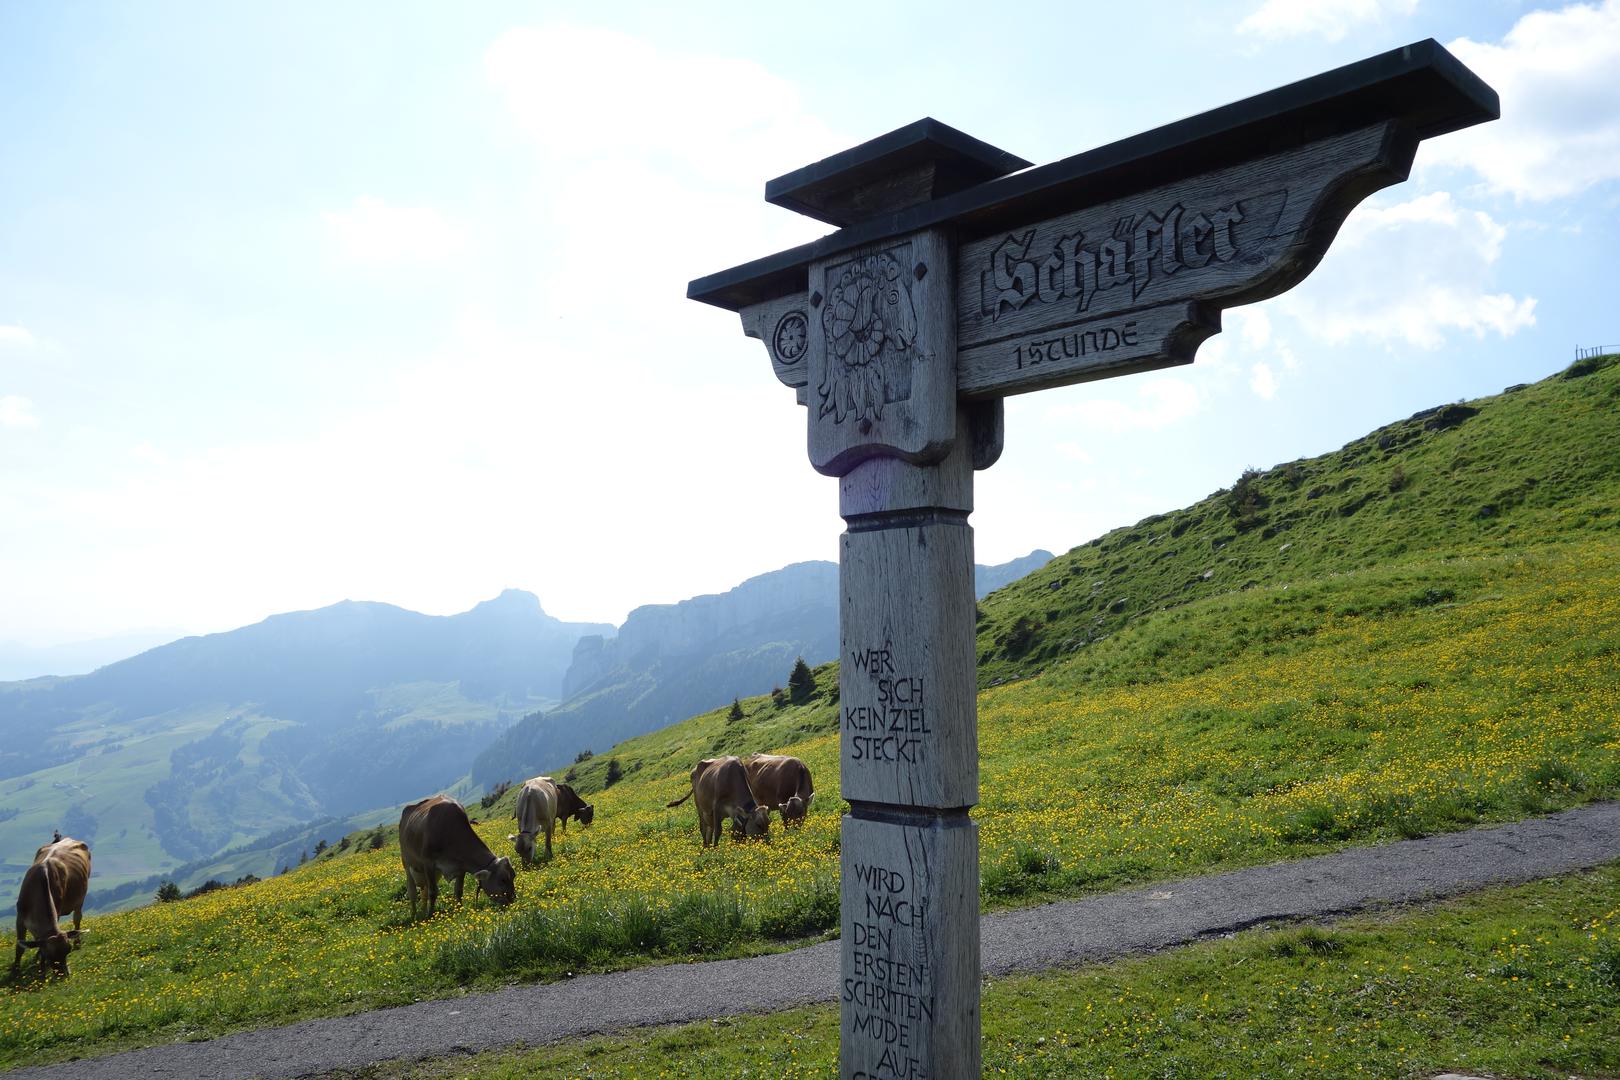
column 511, row 838
column 481, row 875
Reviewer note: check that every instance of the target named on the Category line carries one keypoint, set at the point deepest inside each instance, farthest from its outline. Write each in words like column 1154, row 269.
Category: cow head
column 53, row 952
column 524, row 843
column 793, row 810
column 755, row 821
column 498, row 881
column 585, row 814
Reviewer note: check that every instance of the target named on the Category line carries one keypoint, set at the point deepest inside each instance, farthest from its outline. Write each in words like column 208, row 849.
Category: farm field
column 1426, row 667
column 1522, row 982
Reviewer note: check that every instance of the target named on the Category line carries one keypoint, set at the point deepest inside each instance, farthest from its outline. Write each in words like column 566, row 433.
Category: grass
column 1360, row 694
column 1521, row 982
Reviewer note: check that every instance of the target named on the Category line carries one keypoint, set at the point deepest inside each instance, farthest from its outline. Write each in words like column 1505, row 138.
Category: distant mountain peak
column 513, row 600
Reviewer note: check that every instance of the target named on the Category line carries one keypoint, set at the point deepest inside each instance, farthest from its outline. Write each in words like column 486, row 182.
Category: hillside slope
column 669, row 661
column 1533, row 465
column 1359, row 693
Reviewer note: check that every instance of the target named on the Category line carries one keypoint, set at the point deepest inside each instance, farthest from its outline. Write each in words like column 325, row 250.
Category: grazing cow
column 781, row 783
column 436, row 838
column 570, row 805
column 721, row 789
column 541, row 803
column 56, row 883
column 536, row 813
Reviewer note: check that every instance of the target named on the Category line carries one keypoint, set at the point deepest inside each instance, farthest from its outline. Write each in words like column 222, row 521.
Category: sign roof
column 1420, row 85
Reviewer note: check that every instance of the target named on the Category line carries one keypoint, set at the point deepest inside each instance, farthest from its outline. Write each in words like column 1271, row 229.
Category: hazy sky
column 304, row 302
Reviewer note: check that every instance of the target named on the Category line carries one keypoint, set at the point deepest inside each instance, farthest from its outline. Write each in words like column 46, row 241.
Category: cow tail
column 682, row 799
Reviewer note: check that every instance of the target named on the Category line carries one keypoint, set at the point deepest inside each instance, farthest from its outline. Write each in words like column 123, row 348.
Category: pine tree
column 736, row 712
column 801, row 684
column 614, row 773
column 168, row 891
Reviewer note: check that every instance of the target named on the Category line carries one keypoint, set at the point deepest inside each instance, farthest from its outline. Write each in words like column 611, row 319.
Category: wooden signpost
column 959, row 275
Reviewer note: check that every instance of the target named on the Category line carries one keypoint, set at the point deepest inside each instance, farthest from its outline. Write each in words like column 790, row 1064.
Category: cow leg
column 461, row 879
column 78, row 912
column 548, row 838
column 410, row 890
column 22, row 934
column 430, row 886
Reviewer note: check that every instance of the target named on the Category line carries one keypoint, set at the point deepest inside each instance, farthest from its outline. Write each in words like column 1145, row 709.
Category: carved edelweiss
column 869, row 310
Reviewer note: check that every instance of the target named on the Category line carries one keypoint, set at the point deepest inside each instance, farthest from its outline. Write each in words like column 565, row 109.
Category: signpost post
column 958, row 276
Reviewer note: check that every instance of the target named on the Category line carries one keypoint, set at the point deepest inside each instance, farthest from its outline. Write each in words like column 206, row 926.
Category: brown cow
column 781, row 783
column 721, row 787
column 56, row 883
column 436, row 838
column 570, row 805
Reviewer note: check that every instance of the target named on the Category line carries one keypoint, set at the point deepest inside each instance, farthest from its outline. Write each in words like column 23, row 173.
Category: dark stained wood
column 922, row 161
column 1138, row 282
column 1420, row 86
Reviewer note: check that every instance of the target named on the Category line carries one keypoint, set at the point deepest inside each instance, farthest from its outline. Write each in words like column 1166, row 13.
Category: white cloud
column 1159, row 404
column 646, row 166
column 1254, row 327
column 373, row 232
column 660, row 106
column 148, row 454
column 1558, row 74
column 15, row 335
column 1410, row 272
column 1262, row 381
column 1329, row 19
column 17, row 412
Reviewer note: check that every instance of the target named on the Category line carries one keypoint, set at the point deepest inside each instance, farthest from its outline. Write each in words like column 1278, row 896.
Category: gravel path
column 1066, row 933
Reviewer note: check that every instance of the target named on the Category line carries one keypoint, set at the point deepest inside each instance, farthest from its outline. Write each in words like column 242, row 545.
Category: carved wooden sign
column 958, row 276
column 1137, row 282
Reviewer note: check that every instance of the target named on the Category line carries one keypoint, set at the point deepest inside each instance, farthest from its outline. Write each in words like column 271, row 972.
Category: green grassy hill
column 1392, row 659
column 1533, row 466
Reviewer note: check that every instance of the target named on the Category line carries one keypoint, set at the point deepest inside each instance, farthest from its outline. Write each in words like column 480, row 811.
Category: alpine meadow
column 1416, row 633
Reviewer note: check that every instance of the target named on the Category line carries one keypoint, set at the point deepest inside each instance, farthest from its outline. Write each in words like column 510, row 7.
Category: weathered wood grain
column 783, row 326
column 1137, row 282
column 886, row 485
column 882, row 356
column 907, row 710
column 909, row 992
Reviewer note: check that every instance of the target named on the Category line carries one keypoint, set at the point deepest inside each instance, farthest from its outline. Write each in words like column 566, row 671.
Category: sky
column 385, row 301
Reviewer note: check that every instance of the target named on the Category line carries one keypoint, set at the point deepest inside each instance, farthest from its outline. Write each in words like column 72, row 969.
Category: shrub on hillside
column 801, row 683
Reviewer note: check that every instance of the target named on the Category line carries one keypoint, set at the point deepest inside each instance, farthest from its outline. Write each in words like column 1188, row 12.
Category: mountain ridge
column 669, row 661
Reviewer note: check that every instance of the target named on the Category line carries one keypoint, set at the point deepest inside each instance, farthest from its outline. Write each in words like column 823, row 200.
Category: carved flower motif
column 868, row 311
